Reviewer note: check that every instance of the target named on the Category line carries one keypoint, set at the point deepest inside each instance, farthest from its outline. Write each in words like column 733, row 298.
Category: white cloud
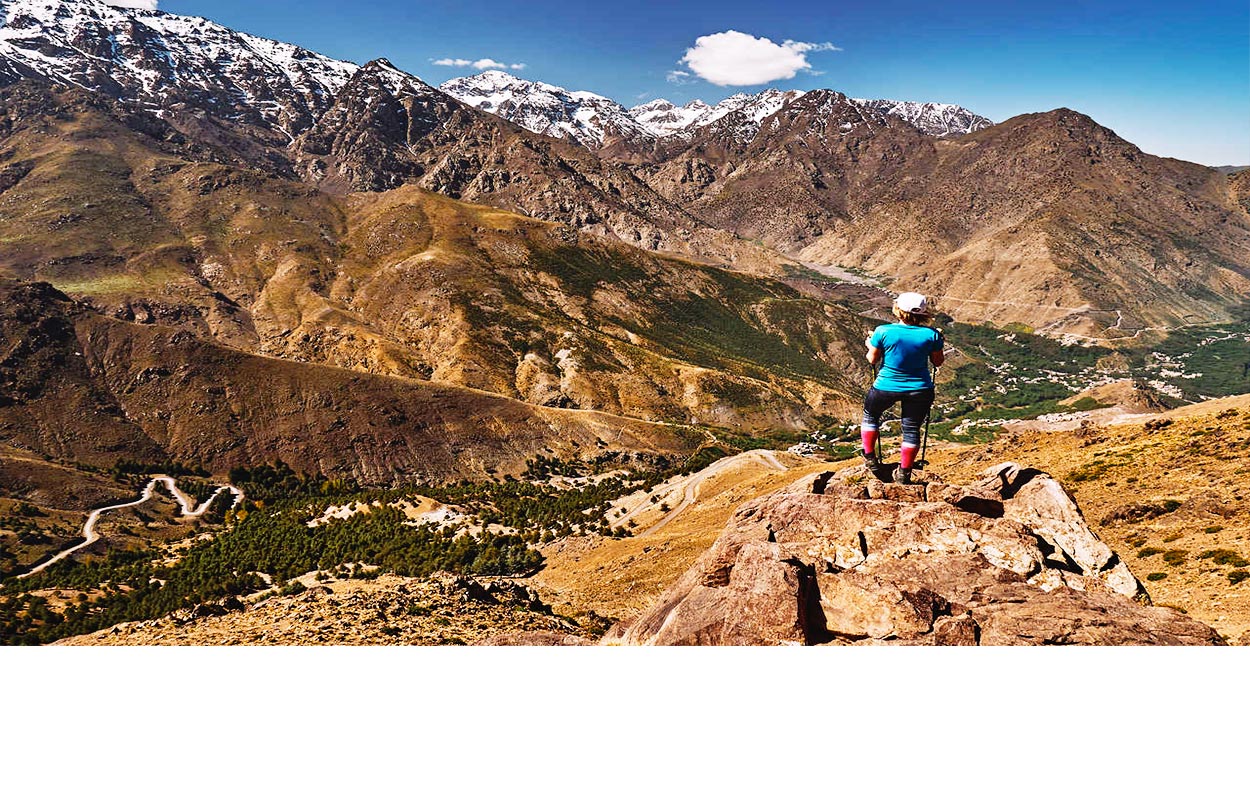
column 145, row 5
column 479, row 63
column 677, row 76
column 733, row 58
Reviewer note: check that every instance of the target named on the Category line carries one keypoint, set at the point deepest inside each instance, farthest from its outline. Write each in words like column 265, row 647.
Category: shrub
column 1150, row 551
column 1237, row 577
column 1225, row 557
column 1174, row 557
column 1156, row 577
column 1091, row 471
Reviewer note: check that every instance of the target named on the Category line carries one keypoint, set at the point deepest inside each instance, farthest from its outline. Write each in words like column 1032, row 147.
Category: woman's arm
column 937, row 357
column 874, row 353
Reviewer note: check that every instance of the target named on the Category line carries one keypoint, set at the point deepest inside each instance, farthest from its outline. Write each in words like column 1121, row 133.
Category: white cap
column 912, row 302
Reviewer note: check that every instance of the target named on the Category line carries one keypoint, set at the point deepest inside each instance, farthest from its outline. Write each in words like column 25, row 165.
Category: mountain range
column 182, row 186
column 503, row 327
column 597, row 122
column 1047, row 219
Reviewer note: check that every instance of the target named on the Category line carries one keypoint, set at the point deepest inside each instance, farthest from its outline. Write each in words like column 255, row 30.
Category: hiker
column 904, row 350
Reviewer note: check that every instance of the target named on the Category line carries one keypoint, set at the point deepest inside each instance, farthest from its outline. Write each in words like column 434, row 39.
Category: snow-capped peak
column 932, row 118
column 585, row 117
column 155, row 58
column 395, row 80
column 665, row 119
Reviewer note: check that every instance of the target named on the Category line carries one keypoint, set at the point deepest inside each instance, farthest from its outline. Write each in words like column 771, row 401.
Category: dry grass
column 1170, row 494
column 619, row 578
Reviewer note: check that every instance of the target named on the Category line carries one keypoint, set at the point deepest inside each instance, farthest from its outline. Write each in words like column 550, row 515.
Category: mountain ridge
column 598, row 122
column 777, row 178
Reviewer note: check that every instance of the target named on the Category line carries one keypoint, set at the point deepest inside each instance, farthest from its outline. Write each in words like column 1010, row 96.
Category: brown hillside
column 1046, row 219
column 386, row 128
column 153, row 392
column 147, row 227
column 1054, row 221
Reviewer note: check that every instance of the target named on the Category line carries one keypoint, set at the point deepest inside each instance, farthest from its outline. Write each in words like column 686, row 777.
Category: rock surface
column 1007, row 561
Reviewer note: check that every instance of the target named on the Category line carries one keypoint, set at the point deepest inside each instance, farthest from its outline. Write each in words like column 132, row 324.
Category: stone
column 895, row 492
column 1067, row 617
column 874, row 564
column 982, row 501
column 956, row 630
column 758, row 599
column 853, row 611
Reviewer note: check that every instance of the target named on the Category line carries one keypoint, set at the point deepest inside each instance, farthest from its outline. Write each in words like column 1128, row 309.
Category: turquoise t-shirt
column 906, row 350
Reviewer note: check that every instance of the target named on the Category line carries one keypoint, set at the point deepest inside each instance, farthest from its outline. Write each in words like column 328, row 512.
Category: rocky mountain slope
column 386, row 128
column 941, row 120
column 592, row 120
column 121, row 211
column 289, row 111
column 80, row 387
column 1039, row 220
column 839, row 559
column 1019, row 557
column 169, row 63
column 389, row 610
column 1032, row 220
column 1169, row 492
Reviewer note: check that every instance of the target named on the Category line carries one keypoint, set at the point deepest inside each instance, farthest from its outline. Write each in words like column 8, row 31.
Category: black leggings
column 916, row 405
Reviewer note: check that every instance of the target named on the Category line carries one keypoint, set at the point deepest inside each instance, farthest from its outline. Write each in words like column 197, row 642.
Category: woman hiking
column 904, row 349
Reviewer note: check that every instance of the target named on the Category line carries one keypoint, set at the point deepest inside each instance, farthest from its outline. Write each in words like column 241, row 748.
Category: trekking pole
column 876, row 444
column 924, row 447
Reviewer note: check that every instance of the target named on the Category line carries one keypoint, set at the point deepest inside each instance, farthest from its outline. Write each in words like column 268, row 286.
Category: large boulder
column 1007, row 561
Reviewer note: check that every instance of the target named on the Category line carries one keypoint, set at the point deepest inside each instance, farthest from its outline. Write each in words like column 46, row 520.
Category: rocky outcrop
column 848, row 560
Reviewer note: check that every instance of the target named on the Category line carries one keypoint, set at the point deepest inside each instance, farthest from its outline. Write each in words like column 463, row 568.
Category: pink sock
column 870, row 440
column 907, row 456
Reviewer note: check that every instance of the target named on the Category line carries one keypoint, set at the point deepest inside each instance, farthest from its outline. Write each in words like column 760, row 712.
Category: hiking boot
column 902, row 476
column 874, row 466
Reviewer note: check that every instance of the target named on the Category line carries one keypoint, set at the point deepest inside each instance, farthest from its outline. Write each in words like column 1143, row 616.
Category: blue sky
column 1172, row 77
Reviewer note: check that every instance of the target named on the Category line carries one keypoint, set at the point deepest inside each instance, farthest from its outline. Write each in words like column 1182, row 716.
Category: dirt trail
column 185, row 504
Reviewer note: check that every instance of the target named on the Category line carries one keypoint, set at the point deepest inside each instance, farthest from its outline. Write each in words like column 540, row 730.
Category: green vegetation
column 1094, row 470
column 278, row 481
column 269, row 536
column 126, row 468
column 1009, row 373
column 1225, row 557
column 137, row 586
column 1216, row 359
column 1158, row 576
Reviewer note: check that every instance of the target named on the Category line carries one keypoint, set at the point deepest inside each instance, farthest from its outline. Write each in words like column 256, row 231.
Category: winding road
column 185, row 504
